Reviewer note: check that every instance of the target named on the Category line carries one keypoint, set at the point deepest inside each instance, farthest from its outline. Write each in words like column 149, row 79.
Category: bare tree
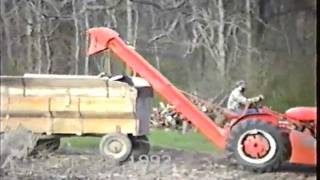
column 129, row 22
column 201, row 41
column 86, row 22
column 136, row 26
column 155, row 46
column 76, row 36
column 18, row 31
column 29, row 32
column 38, row 32
column 129, row 29
column 7, row 30
column 221, row 39
column 248, row 37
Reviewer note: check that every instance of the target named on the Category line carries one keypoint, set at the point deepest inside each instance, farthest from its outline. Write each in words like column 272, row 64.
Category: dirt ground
column 70, row 164
column 164, row 164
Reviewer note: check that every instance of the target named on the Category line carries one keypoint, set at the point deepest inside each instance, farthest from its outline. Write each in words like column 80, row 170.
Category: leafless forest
column 200, row 45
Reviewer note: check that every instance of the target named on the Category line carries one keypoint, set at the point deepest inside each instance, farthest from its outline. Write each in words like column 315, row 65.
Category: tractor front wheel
column 257, row 146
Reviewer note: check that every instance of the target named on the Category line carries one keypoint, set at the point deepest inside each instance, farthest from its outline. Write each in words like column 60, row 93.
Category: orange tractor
column 260, row 142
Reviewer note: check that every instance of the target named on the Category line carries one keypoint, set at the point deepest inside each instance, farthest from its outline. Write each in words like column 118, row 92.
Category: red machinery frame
column 303, row 146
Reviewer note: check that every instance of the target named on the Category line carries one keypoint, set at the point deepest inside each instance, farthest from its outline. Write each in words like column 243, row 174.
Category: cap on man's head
column 241, row 83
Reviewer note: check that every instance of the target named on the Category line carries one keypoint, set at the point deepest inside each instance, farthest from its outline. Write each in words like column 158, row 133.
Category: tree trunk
column 6, row 27
column 113, row 23
column 129, row 31
column 249, row 39
column 129, row 22
column 136, row 26
column 76, row 39
column 86, row 60
column 20, row 45
column 155, row 45
column 29, row 44
column 221, row 41
column 38, row 31
column 47, row 48
column 48, row 55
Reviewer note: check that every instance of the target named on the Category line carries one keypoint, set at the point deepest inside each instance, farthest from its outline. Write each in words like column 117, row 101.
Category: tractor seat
column 302, row 113
column 230, row 114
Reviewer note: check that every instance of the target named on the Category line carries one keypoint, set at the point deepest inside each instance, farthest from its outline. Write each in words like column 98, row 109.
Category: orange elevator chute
column 102, row 38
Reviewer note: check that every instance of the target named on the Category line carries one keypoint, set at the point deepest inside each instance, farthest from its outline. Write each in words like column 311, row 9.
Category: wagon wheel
column 116, row 145
column 257, row 146
column 140, row 145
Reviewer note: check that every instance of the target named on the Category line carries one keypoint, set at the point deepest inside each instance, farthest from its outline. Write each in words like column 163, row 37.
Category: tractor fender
column 261, row 117
column 303, row 148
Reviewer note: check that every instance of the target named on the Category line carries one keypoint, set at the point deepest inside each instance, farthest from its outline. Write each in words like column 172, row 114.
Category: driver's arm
column 243, row 100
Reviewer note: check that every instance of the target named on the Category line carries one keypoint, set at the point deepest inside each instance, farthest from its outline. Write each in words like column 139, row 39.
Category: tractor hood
column 302, row 113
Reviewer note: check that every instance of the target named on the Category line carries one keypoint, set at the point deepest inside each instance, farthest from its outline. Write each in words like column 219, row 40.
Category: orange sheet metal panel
column 303, row 148
column 167, row 90
column 105, row 38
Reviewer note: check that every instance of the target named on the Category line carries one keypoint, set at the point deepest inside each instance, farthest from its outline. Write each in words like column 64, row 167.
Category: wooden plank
column 64, row 82
column 64, row 106
column 4, row 105
column 90, row 91
column 118, row 90
column 94, row 106
column 19, row 105
column 45, row 91
column 70, row 125
column 36, row 125
column 12, row 90
column 103, row 126
column 61, row 107
column 67, row 126
column 47, row 85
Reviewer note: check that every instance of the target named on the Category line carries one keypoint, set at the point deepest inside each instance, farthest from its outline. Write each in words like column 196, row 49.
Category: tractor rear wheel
column 257, row 146
column 140, row 145
column 116, row 145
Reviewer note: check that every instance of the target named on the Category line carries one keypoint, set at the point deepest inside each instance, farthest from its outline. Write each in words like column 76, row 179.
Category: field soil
column 161, row 163
column 173, row 164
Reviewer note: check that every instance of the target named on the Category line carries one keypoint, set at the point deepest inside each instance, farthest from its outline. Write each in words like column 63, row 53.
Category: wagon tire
column 116, row 145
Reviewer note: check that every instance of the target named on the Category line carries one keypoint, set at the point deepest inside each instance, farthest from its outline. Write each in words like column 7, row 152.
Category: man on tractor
column 237, row 101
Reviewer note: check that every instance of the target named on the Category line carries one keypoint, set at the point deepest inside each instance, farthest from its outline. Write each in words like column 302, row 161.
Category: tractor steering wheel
column 255, row 105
